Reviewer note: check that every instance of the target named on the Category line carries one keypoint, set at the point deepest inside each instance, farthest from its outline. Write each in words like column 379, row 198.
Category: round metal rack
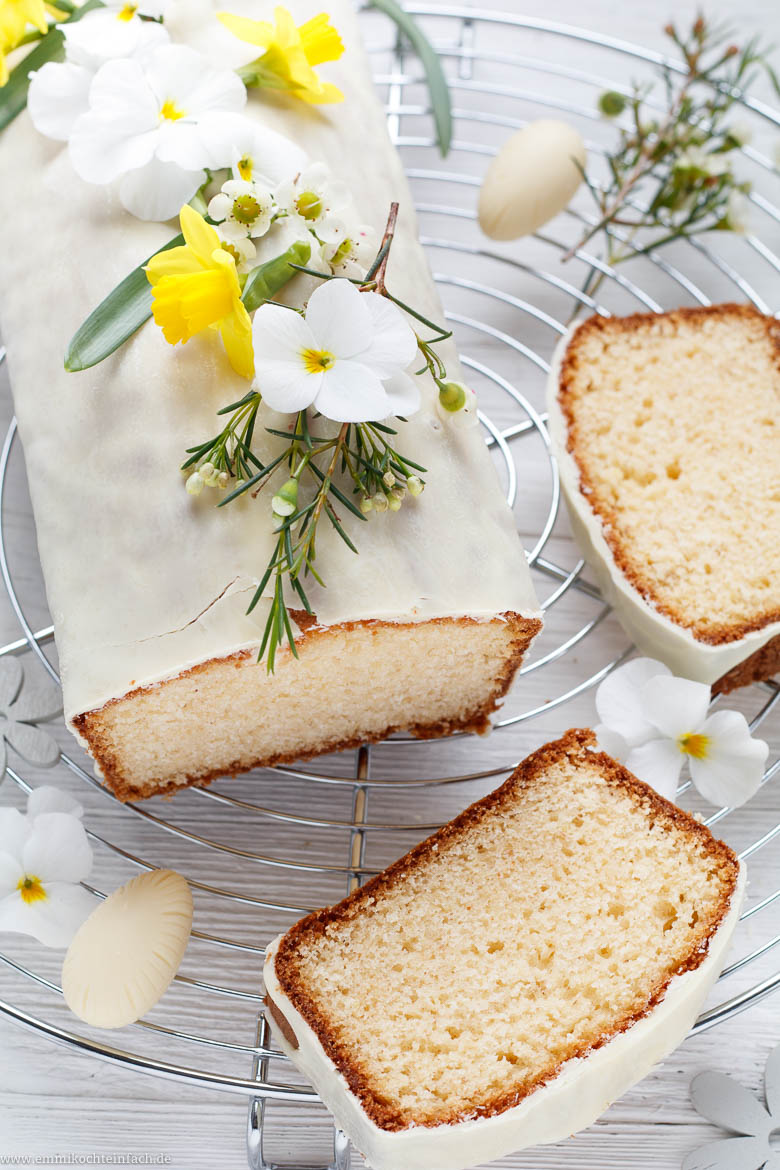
column 261, row 850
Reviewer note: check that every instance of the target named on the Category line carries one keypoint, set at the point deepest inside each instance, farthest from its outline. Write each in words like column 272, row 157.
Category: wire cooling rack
column 262, row 850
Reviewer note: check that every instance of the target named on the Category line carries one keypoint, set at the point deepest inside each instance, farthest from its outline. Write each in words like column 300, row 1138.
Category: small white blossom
column 741, row 133
column 346, row 356
column 242, row 208
column 44, row 855
column 314, row 200
column 695, row 158
column 243, row 252
column 738, row 212
column 350, row 252
column 654, row 722
column 253, row 152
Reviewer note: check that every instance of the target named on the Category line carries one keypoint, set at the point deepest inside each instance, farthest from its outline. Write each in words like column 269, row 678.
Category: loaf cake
column 509, row 977
column 667, row 431
column 148, row 586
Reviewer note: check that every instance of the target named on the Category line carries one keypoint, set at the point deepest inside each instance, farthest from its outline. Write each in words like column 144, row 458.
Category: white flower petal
column 727, row 1103
column 15, row 830
column 658, row 762
column 393, row 345
column 99, row 37
column 279, row 336
column 158, row 190
column 618, row 698
column 219, row 206
column 99, row 155
column 177, row 73
column 11, row 873
column 351, row 392
column 46, row 798
column 53, row 921
column 40, row 699
column 11, row 679
column 772, row 1082
column 57, row 849
column 32, row 743
column 180, row 143
column 228, row 138
column 403, row 394
column 339, row 320
column 57, row 97
column 611, row 742
column 733, row 767
column 677, row 706
column 740, row 1153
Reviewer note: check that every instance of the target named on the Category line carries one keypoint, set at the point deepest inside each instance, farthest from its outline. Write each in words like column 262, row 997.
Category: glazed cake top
column 142, row 579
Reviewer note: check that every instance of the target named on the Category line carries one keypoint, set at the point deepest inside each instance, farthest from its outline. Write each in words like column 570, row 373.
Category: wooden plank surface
column 54, row 1101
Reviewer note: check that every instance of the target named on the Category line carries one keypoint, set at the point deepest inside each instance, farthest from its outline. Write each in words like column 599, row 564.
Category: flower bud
column 366, row 505
column 285, row 502
column 394, row 502
column 457, row 404
column 380, row 502
column 195, row 484
column 206, row 471
column 611, row 104
column 388, row 479
column 452, row 396
column 415, row 485
column 223, row 479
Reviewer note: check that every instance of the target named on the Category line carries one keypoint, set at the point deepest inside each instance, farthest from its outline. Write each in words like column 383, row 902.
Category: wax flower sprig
column 343, row 358
column 671, row 175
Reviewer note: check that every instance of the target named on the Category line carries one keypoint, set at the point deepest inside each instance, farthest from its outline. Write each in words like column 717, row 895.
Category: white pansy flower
column 43, row 858
column 346, row 356
column 350, row 252
column 143, row 127
column 59, row 90
column 654, row 722
column 253, row 152
column 242, row 208
column 314, row 199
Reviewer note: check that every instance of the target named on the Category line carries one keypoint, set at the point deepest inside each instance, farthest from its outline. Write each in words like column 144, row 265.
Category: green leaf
column 437, row 82
column 268, row 278
column 115, row 319
column 13, row 95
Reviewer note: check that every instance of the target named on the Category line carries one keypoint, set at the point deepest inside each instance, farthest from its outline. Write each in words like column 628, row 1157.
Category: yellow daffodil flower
column 15, row 17
column 196, row 287
column 290, row 54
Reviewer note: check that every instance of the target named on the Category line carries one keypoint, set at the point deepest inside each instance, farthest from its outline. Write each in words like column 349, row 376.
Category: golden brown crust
column 764, row 663
column 578, row 746
column 90, row 726
column 711, row 632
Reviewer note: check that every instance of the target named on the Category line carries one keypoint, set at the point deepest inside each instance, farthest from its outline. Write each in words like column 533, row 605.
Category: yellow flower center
column 127, row 12
column 309, row 204
column 246, row 209
column 245, row 168
column 170, row 112
column 695, row 744
column 31, row 889
column 315, row 361
column 343, row 251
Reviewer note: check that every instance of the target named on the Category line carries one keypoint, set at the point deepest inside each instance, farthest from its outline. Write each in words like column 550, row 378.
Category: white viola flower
column 654, row 722
column 313, row 198
column 59, row 90
column 43, row 858
column 346, row 356
column 242, row 208
column 143, row 127
column 350, row 252
column 153, row 9
column 253, row 152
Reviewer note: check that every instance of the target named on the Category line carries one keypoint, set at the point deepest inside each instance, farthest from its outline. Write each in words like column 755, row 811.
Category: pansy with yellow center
column 346, row 356
column 290, row 53
column 196, row 287
column 44, row 856
column 654, row 723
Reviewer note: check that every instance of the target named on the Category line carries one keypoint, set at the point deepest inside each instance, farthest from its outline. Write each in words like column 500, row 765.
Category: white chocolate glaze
column 573, row 1100
column 653, row 632
column 144, row 581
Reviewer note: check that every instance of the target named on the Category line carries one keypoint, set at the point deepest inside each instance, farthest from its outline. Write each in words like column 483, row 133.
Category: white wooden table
column 56, row 1102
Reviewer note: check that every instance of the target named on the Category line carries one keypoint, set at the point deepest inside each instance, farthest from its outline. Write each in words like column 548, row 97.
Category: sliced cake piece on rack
column 667, row 431
column 509, row 977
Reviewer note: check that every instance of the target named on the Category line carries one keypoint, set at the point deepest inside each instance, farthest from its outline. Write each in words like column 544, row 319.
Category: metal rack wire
column 327, row 826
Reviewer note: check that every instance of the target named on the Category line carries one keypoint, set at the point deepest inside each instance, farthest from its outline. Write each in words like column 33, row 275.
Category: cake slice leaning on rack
column 149, row 587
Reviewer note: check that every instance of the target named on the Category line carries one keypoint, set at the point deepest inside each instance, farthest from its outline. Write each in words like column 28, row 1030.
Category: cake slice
column 667, row 431
column 512, row 975
column 149, row 587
